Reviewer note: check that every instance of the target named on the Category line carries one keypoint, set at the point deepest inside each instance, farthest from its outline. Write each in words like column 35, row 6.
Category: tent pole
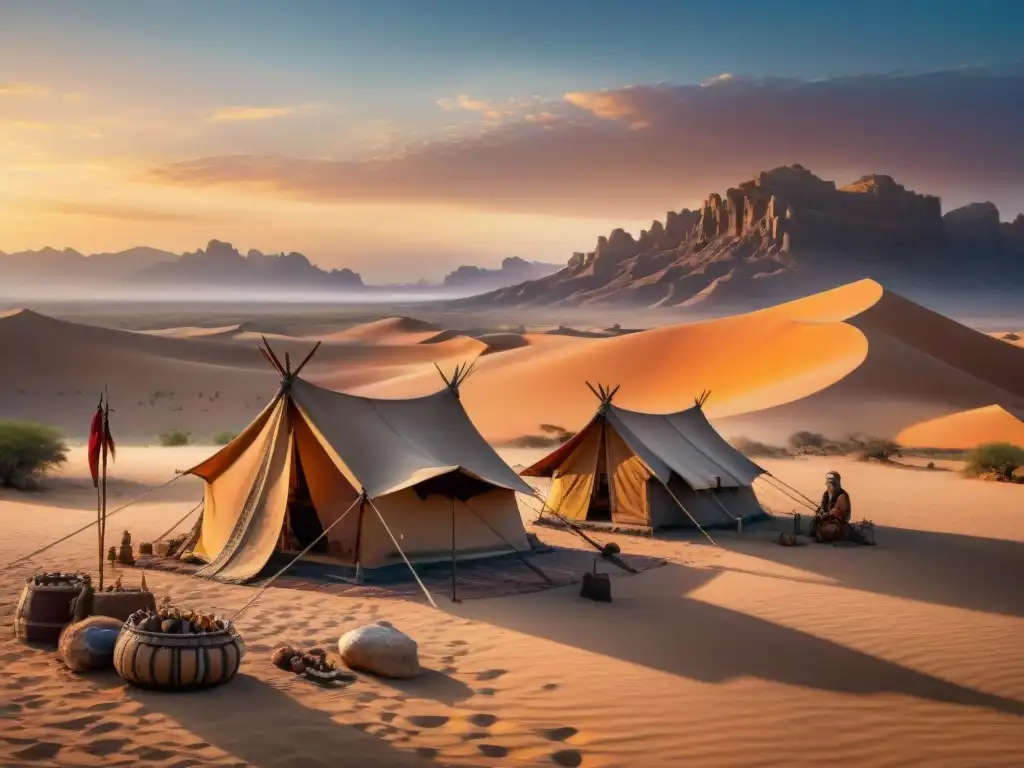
column 692, row 519
column 732, row 518
column 296, row 559
column 455, row 577
column 511, row 546
column 399, row 548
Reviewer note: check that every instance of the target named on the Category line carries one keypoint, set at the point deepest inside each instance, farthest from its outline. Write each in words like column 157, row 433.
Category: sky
column 402, row 138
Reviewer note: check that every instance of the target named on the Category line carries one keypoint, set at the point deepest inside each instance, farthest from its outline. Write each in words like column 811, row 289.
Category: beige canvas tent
column 649, row 471
column 410, row 476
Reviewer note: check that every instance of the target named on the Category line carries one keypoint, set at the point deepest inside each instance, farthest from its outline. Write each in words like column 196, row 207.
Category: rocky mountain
column 783, row 234
column 221, row 263
column 513, row 270
column 48, row 265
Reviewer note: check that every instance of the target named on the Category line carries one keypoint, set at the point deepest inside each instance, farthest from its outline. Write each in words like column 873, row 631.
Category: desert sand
column 725, row 655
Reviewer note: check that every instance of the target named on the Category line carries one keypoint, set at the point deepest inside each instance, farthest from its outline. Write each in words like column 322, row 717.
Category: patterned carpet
column 477, row 579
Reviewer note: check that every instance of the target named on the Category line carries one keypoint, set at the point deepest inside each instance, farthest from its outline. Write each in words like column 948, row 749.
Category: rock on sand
column 381, row 649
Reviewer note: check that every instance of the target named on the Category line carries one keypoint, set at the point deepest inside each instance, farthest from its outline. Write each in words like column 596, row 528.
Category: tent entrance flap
column 600, row 509
column 302, row 518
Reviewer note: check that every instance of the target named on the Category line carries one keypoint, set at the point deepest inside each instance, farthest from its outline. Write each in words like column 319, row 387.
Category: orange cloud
column 951, row 133
column 117, row 212
column 23, row 89
column 230, row 114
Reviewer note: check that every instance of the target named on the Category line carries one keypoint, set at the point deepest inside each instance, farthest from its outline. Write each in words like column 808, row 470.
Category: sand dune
column 1016, row 338
column 195, row 332
column 967, row 429
column 855, row 359
column 390, row 330
column 162, row 382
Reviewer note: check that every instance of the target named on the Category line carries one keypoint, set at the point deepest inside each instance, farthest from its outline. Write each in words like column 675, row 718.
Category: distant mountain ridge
column 222, row 265
column 784, row 234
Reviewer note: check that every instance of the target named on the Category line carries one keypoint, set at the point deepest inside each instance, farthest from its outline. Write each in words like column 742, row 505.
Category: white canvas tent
column 410, row 476
column 649, row 471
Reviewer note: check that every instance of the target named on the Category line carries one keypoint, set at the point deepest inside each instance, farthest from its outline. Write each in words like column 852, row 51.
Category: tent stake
column 399, row 548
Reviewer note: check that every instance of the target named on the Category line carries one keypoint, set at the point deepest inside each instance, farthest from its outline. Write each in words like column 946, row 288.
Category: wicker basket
column 177, row 662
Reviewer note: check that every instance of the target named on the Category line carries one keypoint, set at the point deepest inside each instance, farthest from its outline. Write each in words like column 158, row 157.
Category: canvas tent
column 649, row 471
column 410, row 476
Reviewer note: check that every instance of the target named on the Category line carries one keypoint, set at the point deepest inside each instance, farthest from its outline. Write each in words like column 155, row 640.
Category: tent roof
column 388, row 445
column 683, row 442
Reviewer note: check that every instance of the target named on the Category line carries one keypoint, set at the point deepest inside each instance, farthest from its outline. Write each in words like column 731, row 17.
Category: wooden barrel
column 43, row 612
column 121, row 605
column 177, row 662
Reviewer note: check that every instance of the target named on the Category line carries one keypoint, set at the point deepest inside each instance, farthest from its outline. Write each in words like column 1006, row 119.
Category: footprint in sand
column 558, row 734
column 428, row 721
column 568, row 758
column 77, row 724
column 486, row 691
column 106, row 747
column 44, row 750
column 490, row 674
column 428, row 752
column 549, row 687
column 493, row 750
column 483, row 720
column 388, row 717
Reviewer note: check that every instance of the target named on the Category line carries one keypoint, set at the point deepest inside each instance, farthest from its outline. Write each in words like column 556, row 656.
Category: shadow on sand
column 272, row 729
column 959, row 571
column 713, row 644
column 431, row 684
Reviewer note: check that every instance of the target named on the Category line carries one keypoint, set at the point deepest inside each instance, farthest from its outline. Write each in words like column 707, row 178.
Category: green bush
column 175, row 438
column 27, row 451
column 1002, row 459
column 225, row 437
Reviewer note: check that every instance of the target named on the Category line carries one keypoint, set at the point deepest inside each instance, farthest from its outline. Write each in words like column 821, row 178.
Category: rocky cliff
column 781, row 234
column 222, row 264
column 513, row 270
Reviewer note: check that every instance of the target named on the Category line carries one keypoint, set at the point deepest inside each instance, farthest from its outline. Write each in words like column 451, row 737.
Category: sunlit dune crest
column 967, row 429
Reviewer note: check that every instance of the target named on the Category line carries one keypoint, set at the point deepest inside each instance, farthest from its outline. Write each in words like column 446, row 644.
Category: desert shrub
column 225, row 437
column 878, row 448
column 27, row 451
column 1001, row 459
column 174, row 438
column 808, row 442
column 754, row 448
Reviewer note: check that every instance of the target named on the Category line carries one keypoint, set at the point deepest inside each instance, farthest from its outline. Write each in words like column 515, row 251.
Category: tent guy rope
column 295, row 559
column 94, row 522
column 399, row 548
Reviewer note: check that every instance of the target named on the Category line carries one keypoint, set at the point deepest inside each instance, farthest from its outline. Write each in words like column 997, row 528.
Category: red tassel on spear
column 96, row 443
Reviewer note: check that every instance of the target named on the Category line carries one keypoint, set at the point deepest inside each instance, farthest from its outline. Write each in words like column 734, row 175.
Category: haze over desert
column 571, row 385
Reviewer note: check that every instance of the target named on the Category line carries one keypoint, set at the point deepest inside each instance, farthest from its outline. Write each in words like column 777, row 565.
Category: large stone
column 380, row 649
column 89, row 644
